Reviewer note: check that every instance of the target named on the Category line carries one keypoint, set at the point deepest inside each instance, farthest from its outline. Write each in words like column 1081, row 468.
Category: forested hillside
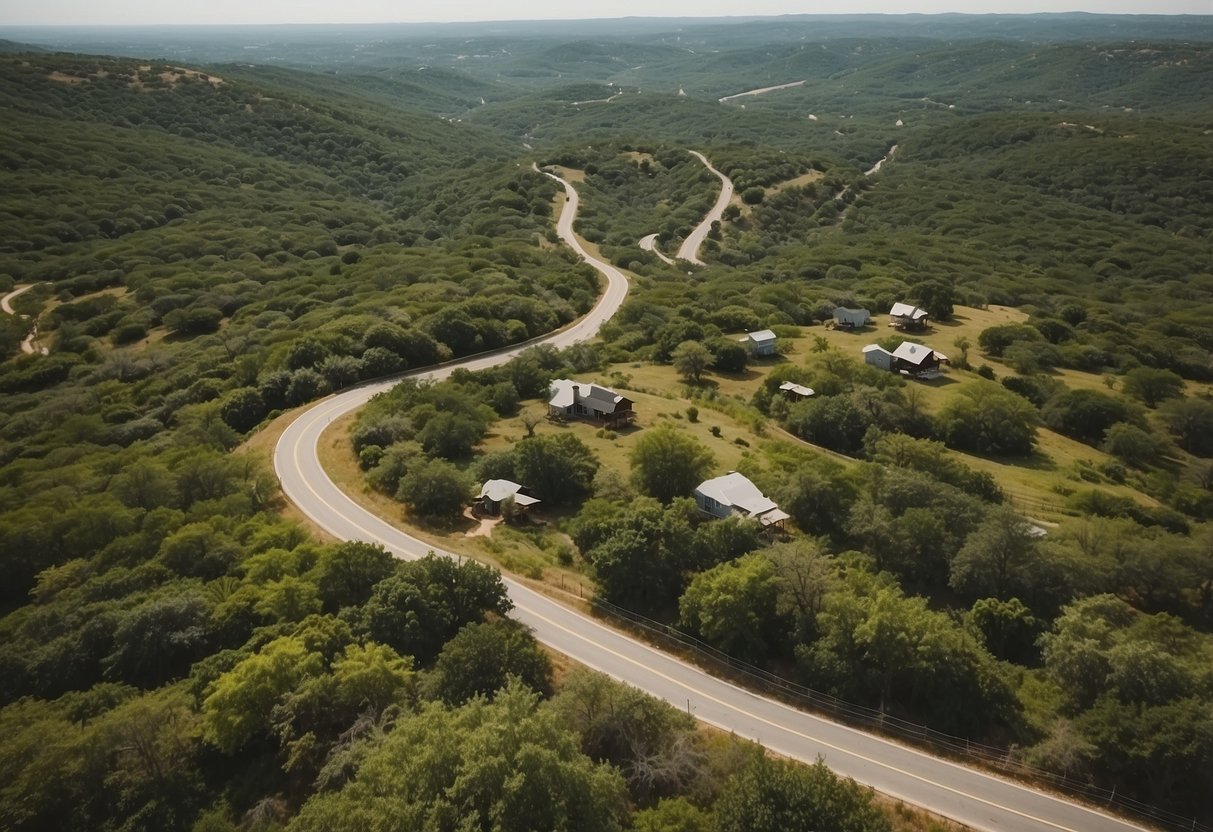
column 1017, row 553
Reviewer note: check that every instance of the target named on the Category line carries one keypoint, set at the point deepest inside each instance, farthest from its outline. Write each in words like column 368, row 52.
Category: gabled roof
column 875, row 348
column 905, row 310
column 798, row 389
column 735, row 490
column 915, row 353
column 498, row 490
column 565, row 393
column 846, row 310
column 761, row 336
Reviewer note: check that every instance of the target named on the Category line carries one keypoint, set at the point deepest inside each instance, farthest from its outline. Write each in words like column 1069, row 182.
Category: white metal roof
column 875, row 348
column 498, row 490
column 905, row 310
column 914, row 353
column 761, row 336
column 736, row 490
column 798, row 389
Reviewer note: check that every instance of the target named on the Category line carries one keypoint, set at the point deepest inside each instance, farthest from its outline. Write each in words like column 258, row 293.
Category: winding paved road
column 979, row 800
column 649, row 243
column 689, row 250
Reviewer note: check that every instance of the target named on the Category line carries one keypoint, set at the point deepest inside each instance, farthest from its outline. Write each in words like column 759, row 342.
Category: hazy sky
column 87, row 12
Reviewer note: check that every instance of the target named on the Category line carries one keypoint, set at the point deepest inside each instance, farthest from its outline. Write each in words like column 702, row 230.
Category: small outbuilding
column 495, row 492
column 877, row 356
column 795, row 391
column 760, row 343
column 846, row 318
column 589, row 401
column 918, row 360
column 733, row 495
column 906, row 316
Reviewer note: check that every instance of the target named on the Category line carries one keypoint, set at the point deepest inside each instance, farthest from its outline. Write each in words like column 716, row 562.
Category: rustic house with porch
column 578, row 400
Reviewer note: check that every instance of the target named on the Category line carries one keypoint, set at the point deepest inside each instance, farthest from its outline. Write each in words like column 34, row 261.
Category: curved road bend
column 6, row 301
column 649, row 243
column 971, row 797
column 689, row 250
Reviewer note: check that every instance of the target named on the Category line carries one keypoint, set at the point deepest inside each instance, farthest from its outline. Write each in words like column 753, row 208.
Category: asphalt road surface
column 689, row 250
column 971, row 797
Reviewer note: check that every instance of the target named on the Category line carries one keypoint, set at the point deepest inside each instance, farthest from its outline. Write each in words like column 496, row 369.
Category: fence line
column 1001, row 759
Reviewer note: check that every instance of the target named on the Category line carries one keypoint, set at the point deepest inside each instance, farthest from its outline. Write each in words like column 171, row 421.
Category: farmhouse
column 495, row 492
column 845, row 318
column 918, row 361
column 760, row 343
column 588, row 401
column 878, row 356
column 905, row 316
column 735, row 496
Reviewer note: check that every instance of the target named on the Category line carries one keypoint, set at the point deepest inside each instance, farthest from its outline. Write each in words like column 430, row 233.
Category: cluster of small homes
column 909, row 359
column 727, row 496
column 903, row 316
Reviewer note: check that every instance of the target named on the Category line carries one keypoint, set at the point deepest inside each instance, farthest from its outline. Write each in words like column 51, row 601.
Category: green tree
column 560, row 468
column 238, row 706
column 1134, row 446
column 691, row 359
column 450, row 435
column 776, row 796
column 243, row 409
column 421, row 606
column 1152, row 386
column 1001, row 559
column 346, row 573
column 667, row 463
column 937, row 298
column 733, row 607
column 482, row 657
column 985, row 418
column 1085, row 415
column 485, row 766
column 1191, row 422
column 434, row 489
column 673, row 814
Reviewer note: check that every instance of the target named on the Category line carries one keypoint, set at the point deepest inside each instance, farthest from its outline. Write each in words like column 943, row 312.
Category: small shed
column 495, row 492
column 878, row 356
column 795, row 391
column 760, row 343
column 907, row 316
column 846, row 318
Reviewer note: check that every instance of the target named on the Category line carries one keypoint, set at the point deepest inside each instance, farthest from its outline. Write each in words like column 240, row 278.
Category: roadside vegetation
column 1018, row 553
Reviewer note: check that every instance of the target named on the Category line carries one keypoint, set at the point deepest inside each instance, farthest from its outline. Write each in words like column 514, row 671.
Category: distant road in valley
column 760, row 91
column 969, row 796
column 689, row 250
